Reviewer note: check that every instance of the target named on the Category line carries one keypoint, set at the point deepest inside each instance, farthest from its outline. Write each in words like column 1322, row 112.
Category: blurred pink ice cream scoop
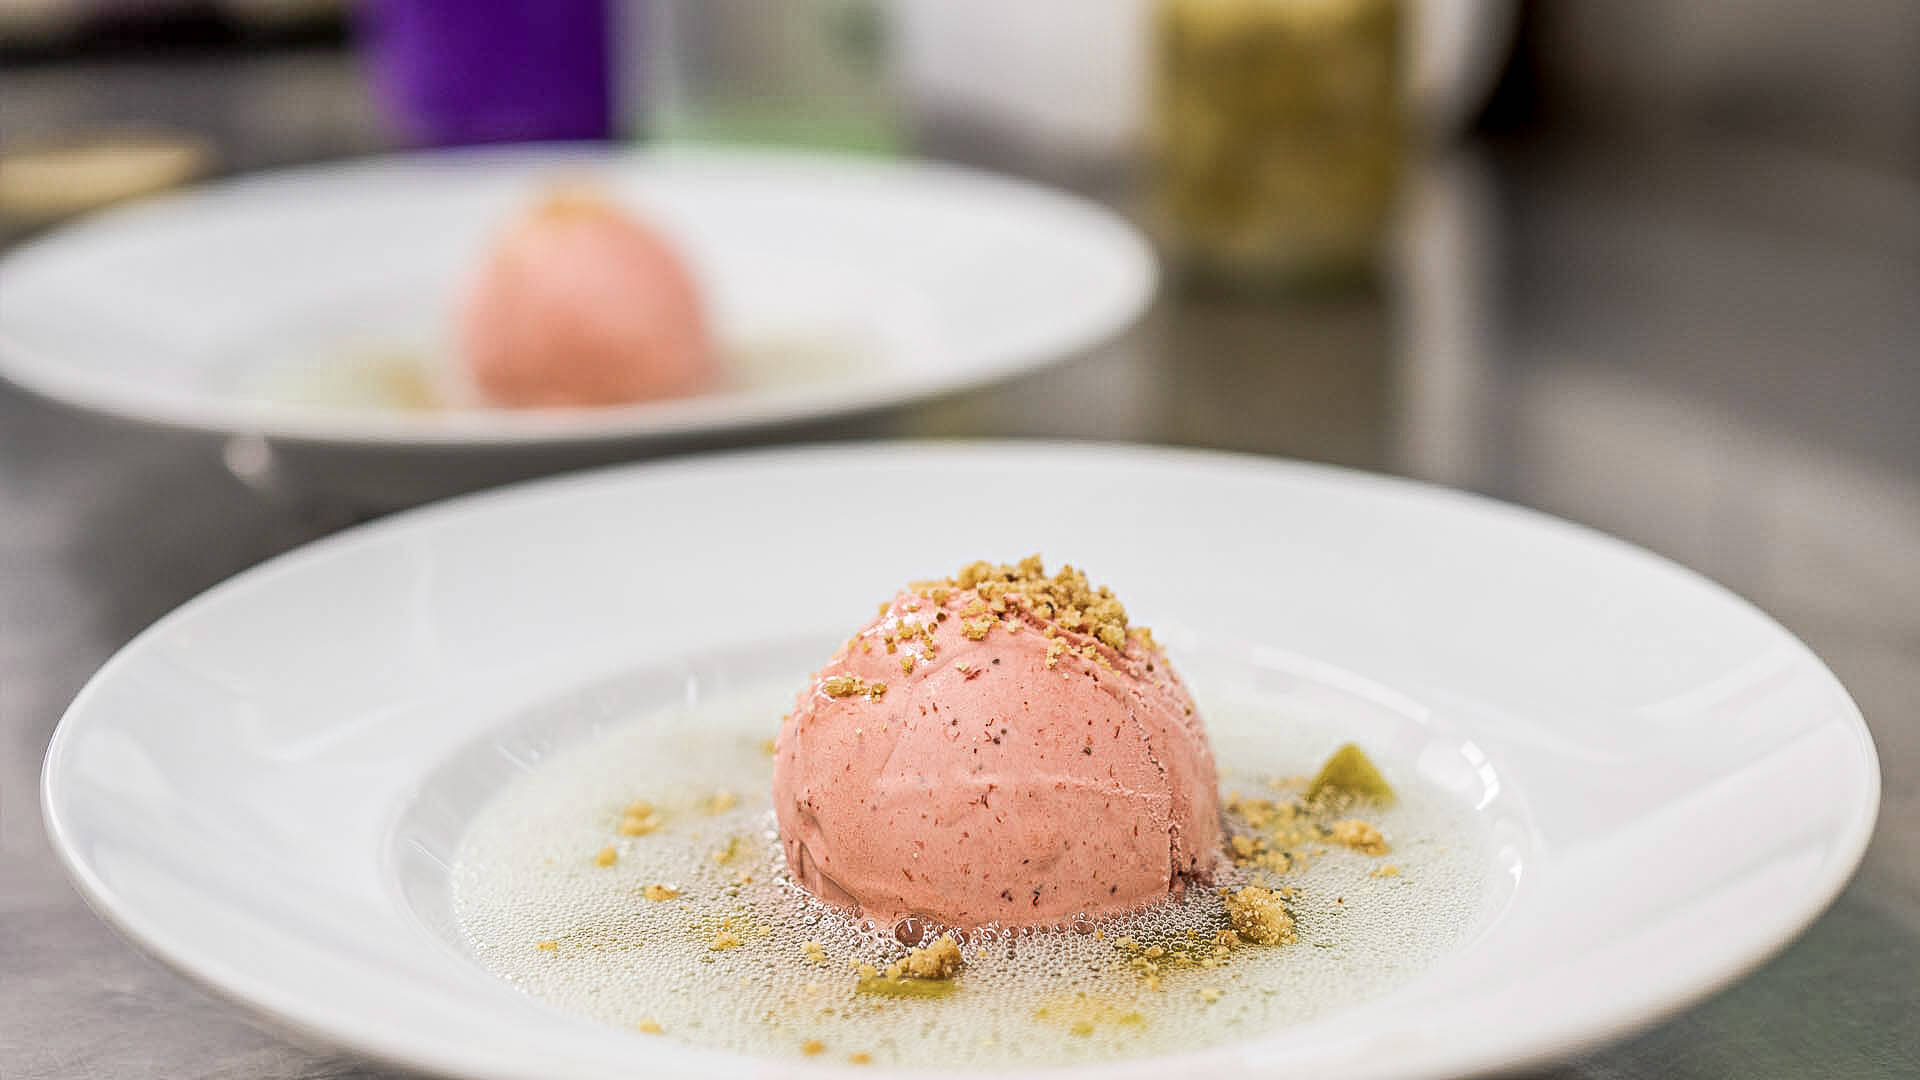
column 581, row 304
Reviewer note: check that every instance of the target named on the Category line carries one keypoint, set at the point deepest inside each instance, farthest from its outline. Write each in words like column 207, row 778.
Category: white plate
column 202, row 310
column 257, row 789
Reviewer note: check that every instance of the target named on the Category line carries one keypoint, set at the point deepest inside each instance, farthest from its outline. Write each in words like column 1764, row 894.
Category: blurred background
column 1652, row 265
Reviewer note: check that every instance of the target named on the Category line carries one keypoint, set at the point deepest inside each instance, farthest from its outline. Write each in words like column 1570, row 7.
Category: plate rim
column 44, row 375
column 1527, row 1050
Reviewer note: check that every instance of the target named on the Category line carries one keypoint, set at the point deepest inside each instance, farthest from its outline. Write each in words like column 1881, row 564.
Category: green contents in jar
column 1279, row 127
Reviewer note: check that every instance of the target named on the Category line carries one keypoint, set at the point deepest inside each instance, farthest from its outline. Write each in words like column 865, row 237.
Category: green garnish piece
column 1349, row 771
column 881, row 986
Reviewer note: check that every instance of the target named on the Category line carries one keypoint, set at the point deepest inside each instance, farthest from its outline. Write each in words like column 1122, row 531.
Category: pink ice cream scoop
column 997, row 748
column 580, row 304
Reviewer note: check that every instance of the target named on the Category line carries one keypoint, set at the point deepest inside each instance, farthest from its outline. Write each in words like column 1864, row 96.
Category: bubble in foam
column 742, row 959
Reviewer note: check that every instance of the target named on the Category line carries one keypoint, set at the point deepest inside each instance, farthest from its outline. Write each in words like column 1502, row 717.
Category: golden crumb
column 606, row 856
column 575, row 199
column 1357, row 835
column 1025, row 588
column 769, row 747
column 725, row 855
column 635, row 825
column 860, row 1058
column 658, row 893
column 720, row 802
column 1388, row 870
column 844, row 686
column 1263, row 813
column 546, row 946
column 1055, row 649
column 906, row 664
column 815, row 953
column 638, row 808
column 1259, row 851
column 940, row 960
column 648, row 1027
column 1259, row 916
column 725, row 938
column 813, row 1047
column 922, row 973
column 1211, row 994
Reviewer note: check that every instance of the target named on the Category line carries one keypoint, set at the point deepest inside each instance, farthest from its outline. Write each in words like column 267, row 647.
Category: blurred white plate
column 265, row 306
column 262, row 789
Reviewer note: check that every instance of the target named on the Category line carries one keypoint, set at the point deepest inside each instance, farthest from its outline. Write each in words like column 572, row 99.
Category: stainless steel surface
column 1723, row 369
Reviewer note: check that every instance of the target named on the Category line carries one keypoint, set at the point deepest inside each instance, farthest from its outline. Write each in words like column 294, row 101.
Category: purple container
column 475, row 71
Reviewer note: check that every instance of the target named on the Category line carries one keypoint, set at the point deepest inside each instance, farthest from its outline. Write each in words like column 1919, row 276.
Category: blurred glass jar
column 798, row 72
column 1279, row 130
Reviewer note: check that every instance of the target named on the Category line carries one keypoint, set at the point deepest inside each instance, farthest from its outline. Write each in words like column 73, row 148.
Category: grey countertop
column 1710, row 350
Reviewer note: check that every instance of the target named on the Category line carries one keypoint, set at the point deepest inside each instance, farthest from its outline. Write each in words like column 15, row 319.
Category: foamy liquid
column 537, row 908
